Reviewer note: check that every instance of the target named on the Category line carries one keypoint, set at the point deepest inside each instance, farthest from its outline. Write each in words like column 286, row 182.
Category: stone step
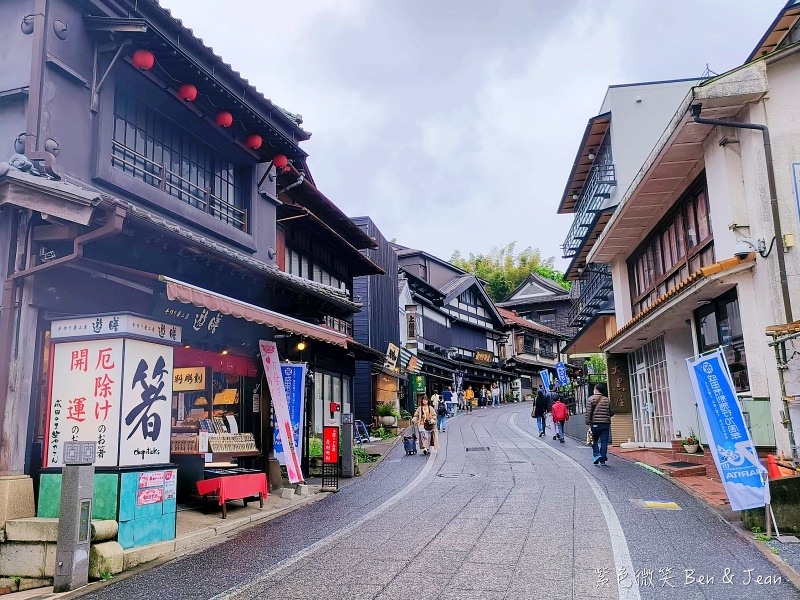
column 39, row 529
column 697, row 471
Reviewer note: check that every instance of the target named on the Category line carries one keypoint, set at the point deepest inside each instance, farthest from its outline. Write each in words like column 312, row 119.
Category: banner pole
column 767, row 512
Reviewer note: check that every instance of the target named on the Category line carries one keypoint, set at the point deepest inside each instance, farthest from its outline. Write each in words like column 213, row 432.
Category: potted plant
column 387, row 414
column 691, row 444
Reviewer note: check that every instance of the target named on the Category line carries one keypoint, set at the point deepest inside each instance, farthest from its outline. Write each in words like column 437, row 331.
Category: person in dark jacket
column 598, row 418
column 540, row 410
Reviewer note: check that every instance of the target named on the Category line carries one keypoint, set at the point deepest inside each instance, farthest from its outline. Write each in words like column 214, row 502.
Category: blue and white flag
column 743, row 476
column 545, row 379
column 561, row 371
column 294, row 379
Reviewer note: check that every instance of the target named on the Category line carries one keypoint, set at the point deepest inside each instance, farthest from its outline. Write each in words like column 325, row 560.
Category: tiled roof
column 455, row 283
column 512, row 318
column 702, row 273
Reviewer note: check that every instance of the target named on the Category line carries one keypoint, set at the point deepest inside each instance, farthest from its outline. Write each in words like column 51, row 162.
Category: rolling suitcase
column 410, row 444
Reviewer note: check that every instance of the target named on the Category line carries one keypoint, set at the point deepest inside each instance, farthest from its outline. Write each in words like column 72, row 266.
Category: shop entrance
column 652, row 408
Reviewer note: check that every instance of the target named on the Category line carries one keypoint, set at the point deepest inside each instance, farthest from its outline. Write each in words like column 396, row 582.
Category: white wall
column 678, row 347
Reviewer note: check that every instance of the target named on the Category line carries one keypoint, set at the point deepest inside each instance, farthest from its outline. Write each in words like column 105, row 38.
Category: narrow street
column 497, row 512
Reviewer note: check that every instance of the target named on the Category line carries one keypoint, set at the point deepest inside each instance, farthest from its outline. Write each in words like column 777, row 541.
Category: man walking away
column 495, row 394
column 441, row 416
column 560, row 416
column 447, row 396
column 552, row 397
column 598, row 418
column 540, row 410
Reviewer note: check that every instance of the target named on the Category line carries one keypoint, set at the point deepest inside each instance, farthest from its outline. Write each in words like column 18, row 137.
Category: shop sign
column 150, row 496
column 294, row 378
column 330, row 445
column 145, row 427
column 391, row 357
column 484, row 356
column 85, row 398
column 272, row 372
column 116, row 326
column 619, row 391
column 411, row 325
column 151, row 479
column 413, row 365
column 188, row 379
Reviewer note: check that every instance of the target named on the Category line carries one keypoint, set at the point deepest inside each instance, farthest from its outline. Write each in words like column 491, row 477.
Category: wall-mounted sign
column 115, row 325
column 188, row 379
column 484, row 356
column 619, row 391
column 411, row 325
column 392, row 354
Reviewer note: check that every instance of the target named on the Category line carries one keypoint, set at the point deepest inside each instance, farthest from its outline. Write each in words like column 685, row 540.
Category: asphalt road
column 497, row 512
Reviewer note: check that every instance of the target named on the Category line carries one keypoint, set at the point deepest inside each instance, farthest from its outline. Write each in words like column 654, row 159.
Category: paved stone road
column 495, row 513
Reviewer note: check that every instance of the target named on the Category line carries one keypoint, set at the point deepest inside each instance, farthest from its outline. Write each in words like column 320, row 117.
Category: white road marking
column 619, row 545
column 326, row 541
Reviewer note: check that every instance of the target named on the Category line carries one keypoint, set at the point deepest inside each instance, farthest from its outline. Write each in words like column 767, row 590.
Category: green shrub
column 315, row 447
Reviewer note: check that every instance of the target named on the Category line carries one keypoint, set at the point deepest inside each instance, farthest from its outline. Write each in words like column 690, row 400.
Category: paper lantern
column 143, row 59
column 224, row 119
column 280, row 161
column 253, row 141
column 187, row 92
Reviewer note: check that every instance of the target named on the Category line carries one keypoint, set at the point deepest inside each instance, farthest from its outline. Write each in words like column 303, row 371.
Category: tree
column 504, row 269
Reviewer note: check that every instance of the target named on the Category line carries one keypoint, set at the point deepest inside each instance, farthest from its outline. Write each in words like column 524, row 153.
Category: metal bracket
column 96, row 85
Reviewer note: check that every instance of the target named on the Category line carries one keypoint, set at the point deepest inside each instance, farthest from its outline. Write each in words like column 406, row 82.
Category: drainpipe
column 776, row 218
column 112, row 226
column 295, row 184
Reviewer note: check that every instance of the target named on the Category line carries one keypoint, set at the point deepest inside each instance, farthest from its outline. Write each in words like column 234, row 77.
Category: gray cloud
column 454, row 123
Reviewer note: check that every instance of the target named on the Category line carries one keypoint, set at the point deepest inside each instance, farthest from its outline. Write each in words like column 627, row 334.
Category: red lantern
column 143, row 59
column 187, row 92
column 224, row 119
column 280, row 161
column 253, row 141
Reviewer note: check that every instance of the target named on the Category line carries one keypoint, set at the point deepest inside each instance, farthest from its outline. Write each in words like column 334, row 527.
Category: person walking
column 469, row 398
column 560, row 414
column 495, row 394
column 598, row 418
column 441, row 416
column 552, row 396
column 447, row 398
column 484, row 395
column 540, row 410
column 461, row 400
column 425, row 422
column 435, row 398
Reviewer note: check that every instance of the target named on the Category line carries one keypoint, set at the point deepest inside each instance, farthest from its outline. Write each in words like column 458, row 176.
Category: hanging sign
column 561, row 371
column 294, row 377
column 743, row 476
column 392, row 353
column 187, row 379
column 272, row 372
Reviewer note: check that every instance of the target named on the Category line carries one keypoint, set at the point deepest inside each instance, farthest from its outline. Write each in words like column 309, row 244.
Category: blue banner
column 561, row 371
column 743, row 475
column 294, row 378
column 545, row 380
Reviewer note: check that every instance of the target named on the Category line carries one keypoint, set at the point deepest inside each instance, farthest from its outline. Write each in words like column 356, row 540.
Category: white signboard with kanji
column 146, row 404
column 85, row 398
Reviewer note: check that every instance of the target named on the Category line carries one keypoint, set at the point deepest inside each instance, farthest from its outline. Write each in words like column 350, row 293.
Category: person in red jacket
column 560, row 414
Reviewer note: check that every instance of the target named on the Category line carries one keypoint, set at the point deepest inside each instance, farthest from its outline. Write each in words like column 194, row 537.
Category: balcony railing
column 595, row 289
column 597, row 189
column 544, row 353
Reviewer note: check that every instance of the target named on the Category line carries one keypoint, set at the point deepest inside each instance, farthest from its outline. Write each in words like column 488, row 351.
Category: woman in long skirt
column 422, row 416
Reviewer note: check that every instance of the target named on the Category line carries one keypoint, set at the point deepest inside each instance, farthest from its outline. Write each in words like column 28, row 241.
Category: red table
column 235, row 487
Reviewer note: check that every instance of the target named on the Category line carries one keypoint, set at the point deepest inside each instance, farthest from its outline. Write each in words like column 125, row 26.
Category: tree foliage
column 505, row 269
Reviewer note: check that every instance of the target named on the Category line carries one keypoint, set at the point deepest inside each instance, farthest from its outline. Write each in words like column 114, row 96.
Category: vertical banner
column 545, row 379
column 743, row 475
column 85, row 399
column 561, row 371
column 146, row 427
column 294, row 380
column 272, row 371
column 330, row 445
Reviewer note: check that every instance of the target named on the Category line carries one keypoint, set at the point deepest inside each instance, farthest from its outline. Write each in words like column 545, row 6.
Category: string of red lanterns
column 144, row 60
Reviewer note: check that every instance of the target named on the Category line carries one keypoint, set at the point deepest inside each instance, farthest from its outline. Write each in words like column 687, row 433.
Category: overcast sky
column 454, row 123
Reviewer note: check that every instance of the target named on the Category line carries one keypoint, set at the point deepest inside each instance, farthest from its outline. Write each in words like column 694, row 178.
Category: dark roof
column 512, row 318
column 403, row 251
column 423, row 288
column 457, row 285
column 596, row 130
column 538, row 279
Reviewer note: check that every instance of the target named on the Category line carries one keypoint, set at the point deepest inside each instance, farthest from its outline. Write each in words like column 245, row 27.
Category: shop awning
column 189, row 294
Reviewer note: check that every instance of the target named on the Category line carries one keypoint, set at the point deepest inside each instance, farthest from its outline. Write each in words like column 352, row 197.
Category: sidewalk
column 195, row 530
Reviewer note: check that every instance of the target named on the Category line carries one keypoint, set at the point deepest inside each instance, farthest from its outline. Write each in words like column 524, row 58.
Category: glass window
column 346, row 394
column 691, row 226
column 703, row 225
column 317, row 274
column 149, row 147
column 306, row 272
column 719, row 324
column 678, row 234
column 295, row 268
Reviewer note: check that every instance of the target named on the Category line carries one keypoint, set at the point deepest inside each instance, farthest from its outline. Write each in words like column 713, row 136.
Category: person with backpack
column 540, row 410
column 560, row 414
column 441, row 416
column 447, row 398
column 598, row 418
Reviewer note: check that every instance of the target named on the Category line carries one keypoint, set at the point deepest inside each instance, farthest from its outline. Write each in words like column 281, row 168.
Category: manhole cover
column 478, row 449
column 455, row 475
column 655, row 504
column 680, row 464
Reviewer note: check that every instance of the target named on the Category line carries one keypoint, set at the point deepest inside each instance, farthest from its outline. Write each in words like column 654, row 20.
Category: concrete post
column 75, row 517
column 348, row 459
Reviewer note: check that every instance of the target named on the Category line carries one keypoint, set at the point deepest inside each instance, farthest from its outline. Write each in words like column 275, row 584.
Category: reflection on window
column 719, row 324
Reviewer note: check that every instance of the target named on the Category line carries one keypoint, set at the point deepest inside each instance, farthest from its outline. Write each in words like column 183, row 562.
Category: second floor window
column 148, row 146
column 677, row 247
column 546, row 317
column 546, row 348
